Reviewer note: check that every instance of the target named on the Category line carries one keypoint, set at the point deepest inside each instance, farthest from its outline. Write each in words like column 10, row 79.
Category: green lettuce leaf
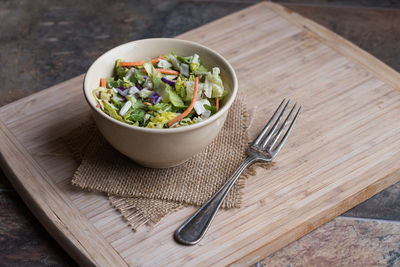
column 174, row 61
column 175, row 99
column 160, row 107
column 157, row 83
column 151, row 71
column 127, row 83
column 97, row 92
column 217, row 86
column 186, row 60
column 145, row 93
column 139, row 104
column 200, row 70
column 106, row 95
column 158, row 86
column 111, row 111
column 180, row 88
column 132, row 99
column 119, row 71
column 116, row 102
column 213, row 109
column 111, row 83
column 138, row 74
column 137, row 115
column 187, row 121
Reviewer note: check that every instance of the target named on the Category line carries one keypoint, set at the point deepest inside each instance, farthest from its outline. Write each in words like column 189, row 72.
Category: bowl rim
column 213, row 118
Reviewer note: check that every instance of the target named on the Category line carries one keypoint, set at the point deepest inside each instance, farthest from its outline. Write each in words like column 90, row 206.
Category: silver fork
column 263, row 148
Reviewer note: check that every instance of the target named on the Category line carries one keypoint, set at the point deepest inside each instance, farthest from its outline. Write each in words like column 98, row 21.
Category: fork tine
column 264, row 131
column 271, row 132
column 278, row 148
column 278, row 134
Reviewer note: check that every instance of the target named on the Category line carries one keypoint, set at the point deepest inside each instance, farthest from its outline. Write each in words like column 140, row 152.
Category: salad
column 165, row 92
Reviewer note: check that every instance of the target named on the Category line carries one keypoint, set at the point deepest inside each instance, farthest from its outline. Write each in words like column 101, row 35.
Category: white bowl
column 159, row 148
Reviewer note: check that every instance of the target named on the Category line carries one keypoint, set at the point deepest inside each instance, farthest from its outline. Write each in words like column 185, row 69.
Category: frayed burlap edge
column 136, row 216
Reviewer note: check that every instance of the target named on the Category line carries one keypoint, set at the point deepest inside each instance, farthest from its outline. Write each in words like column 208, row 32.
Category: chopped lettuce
column 174, row 61
column 160, row 119
column 137, row 115
column 186, row 60
column 160, row 107
column 151, row 71
column 200, row 70
column 145, row 93
column 199, row 106
column 106, row 95
column 120, row 72
column 132, row 95
column 117, row 102
column 180, row 88
column 184, row 69
column 112, row 111
column 208, row 82
column 213, row 109
column 127, row 83
column 163, row 64
column 194, row 63
column 217, row 86
column 111, row 83
column 125, row 108
column 139, row 104
column 190, row 90
column 138, row 76
column 187, row 121
column 175, row 99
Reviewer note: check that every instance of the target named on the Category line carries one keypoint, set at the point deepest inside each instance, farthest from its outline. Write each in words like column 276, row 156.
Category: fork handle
column 194, row 228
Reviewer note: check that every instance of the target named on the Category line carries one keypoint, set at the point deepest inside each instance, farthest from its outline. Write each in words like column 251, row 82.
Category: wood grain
column 344, row 149
column 375, row 30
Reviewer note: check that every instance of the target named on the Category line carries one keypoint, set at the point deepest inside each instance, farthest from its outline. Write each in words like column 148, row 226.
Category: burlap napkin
column 145, row 195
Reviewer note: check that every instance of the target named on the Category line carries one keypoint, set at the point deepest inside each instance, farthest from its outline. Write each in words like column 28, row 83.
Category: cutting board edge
column 36, row 95
column 319, row 219
column 375, row 68
column 52, row 222
column 336, row 42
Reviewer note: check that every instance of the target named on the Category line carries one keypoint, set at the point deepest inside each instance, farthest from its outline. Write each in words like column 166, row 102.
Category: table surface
column 43, row 43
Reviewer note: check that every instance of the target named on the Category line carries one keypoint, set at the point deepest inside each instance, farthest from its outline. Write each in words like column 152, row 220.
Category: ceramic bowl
column 159, row 148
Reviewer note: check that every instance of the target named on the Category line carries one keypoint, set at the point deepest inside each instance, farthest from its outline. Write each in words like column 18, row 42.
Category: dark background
column 44, row 42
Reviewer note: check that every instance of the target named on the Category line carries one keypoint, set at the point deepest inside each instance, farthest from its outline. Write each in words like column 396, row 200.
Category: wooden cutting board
column 345, row 147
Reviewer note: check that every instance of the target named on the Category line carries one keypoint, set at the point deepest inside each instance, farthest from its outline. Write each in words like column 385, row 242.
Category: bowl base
column 159, row 165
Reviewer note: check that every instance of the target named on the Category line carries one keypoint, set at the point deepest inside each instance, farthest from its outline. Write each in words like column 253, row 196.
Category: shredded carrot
column 169, row 72
column 165, row 71
column 217, row 103
column 139, row 63
column 103, row 82
column 187, row 111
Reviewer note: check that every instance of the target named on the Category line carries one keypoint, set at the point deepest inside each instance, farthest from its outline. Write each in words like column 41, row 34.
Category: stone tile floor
column 344, row 241
column 44, row 42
